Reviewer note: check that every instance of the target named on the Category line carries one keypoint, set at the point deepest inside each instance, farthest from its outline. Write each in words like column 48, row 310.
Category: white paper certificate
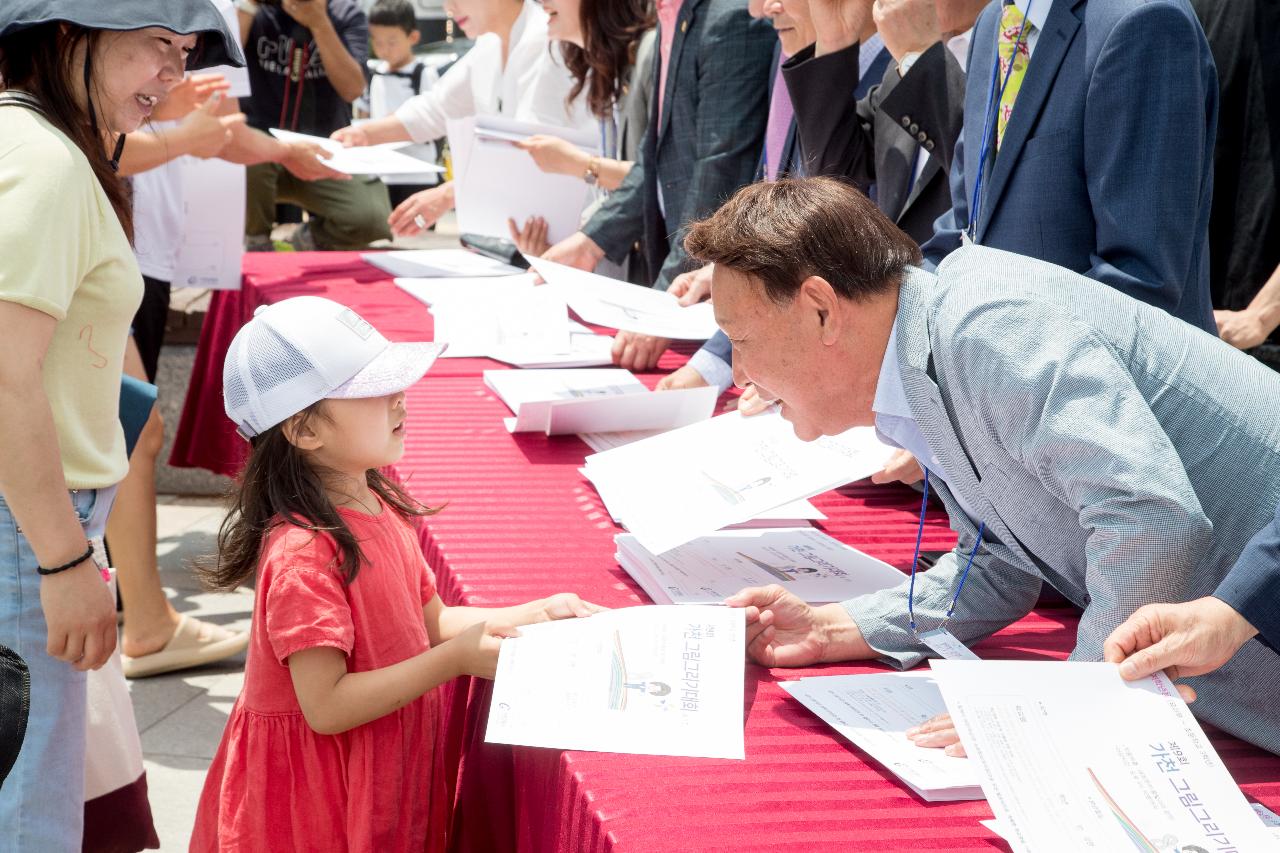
column 875, row 711
column 642, row 680
column 1073, row 758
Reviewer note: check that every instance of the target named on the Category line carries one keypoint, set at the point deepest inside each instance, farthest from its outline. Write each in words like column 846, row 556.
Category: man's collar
column 891, row 395
column 1037, row 11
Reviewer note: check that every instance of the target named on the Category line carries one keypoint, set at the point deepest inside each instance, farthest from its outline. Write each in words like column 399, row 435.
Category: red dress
column 276, row 785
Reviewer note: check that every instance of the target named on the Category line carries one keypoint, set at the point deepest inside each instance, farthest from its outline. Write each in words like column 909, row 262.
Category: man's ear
column 818, row 297
column 298, row 432
column 414, row 37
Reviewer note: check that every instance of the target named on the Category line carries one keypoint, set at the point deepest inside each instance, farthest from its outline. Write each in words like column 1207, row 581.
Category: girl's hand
column 564, row 605
column 532, row 238
column 475, row 650
column 420, row 211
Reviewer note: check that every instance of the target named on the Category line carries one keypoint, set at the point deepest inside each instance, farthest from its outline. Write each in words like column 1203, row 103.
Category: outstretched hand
column 782, row 630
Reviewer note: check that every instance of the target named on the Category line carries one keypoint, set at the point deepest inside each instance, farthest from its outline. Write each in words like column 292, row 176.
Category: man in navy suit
column 1104, row 165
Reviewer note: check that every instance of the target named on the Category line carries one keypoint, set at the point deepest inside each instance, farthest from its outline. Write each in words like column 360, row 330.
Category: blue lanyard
column 915, row 558
column 993, row 107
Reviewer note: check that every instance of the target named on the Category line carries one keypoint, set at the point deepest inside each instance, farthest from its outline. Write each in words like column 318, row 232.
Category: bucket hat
column 184, row 17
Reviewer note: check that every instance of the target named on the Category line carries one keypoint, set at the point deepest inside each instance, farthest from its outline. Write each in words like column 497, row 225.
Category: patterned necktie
column 1010, row 26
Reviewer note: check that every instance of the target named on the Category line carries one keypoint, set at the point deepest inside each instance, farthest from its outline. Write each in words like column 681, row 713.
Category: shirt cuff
column 713, row 369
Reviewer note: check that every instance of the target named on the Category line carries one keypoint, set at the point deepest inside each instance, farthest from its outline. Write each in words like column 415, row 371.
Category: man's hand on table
column 577, row 250
column 902, row 467
column 684, row 377
column 938, row 733
column 633, row 351
column 783, row 630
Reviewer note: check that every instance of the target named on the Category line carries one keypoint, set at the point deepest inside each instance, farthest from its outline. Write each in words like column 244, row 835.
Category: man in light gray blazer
column 1100, row 444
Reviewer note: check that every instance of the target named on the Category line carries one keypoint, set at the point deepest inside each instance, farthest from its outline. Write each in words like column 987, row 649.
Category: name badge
column 946, row 645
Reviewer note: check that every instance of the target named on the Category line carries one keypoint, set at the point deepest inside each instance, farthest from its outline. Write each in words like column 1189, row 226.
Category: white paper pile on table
column 674, row 487
column 509, row 319
column 495, row 181
column 438, row 264
column 807, row 562
column 642, row 680
column 362, row 160
column 565, row 402
column 874, row 712
column 1073, row 758
column 625, row 306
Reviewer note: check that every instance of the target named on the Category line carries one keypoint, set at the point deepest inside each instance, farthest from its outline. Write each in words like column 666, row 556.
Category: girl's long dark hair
column 280, row 486
column 40, row 60
column 611, row 33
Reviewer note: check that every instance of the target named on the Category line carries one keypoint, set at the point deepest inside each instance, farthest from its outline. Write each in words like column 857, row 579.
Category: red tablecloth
column 522, row 523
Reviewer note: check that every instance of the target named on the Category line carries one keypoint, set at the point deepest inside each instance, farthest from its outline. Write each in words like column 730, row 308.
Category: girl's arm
column 334, row 700
column 444, row 623
column 555, row 155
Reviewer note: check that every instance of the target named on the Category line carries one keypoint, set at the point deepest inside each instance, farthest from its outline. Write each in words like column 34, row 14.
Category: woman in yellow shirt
column 74, row 74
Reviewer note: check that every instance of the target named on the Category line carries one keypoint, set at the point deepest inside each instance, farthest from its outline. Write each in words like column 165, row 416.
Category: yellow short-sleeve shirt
column 63, row 252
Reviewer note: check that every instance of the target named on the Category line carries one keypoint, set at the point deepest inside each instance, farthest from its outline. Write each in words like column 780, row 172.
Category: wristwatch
column 592, row 175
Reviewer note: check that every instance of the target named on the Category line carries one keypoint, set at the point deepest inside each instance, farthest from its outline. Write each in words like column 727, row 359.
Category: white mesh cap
column 305, row 349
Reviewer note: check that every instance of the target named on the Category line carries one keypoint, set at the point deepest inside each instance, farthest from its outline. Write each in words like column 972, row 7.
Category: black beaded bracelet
column 71, row 565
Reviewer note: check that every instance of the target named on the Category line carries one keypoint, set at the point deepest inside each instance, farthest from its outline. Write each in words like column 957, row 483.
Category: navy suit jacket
column 1106, row 167
column 1252, row 586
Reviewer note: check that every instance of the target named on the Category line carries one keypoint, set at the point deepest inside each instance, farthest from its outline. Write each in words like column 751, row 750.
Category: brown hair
column 611, row 33
column 280, row 485
column 784, row 231
column 39, row 61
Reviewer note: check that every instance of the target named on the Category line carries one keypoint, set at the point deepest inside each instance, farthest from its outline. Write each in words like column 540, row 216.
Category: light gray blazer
column 1112, row 450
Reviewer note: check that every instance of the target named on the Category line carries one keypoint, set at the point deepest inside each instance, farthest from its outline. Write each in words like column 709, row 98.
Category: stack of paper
column 1073, row 758
column 564, row 402
column 496, row 181
column 809, row 563
column 677, row 486
column 439, row 264
column 642, row 680
column 875, row 711
column 621, row 305
column 369, row 160
column 509, row 319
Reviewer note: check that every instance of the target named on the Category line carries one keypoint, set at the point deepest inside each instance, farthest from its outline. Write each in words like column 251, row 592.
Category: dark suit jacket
column 794, row 160
column 865, row 140
column 708, row 140
column 1252, row 586
column 1107, row 162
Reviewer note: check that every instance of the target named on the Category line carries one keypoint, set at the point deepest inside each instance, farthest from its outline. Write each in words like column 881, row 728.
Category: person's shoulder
column 289, row 547
column 40, row 157
column 1148, row 17
column 348, row 12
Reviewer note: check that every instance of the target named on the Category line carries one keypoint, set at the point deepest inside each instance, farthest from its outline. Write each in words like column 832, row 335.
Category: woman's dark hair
column 281, row 486
column 781, row 232
column 40, row 60
column 611, row 33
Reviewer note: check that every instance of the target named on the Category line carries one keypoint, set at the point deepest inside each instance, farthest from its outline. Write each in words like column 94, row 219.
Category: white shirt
column 1037, row 13
column 533, row 85
column 387, row 91
column 896, row 425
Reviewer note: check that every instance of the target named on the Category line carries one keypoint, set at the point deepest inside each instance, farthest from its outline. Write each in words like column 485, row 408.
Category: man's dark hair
column 782, row 232
column 394, row 13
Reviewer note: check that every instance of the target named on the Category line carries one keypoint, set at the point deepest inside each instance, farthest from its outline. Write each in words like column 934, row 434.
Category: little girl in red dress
column 330, row 745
